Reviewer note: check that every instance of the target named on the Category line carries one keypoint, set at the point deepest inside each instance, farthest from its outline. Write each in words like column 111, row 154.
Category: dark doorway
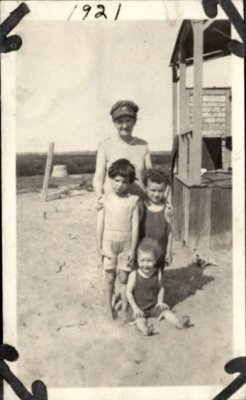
column 211, row 153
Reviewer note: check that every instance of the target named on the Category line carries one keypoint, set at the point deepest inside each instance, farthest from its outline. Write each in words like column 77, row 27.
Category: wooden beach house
column 202, row 182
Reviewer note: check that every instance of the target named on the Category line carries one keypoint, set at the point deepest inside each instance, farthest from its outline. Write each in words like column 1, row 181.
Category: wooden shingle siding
column 215, row 111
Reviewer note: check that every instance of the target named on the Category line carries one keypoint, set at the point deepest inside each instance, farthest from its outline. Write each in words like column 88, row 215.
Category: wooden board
column 183, row 116
column 200, row 217
column 178, row 209
column 196, row 142
column 221, row 218
column 186, row 223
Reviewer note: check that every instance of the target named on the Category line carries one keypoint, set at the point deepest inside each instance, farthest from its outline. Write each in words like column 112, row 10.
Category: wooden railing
column 184, row 154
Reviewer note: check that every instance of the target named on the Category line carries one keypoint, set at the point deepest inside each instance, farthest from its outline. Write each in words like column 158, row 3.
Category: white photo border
column 134, row 10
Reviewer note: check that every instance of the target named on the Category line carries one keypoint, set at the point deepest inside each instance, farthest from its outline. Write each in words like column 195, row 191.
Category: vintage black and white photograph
column 123, row 200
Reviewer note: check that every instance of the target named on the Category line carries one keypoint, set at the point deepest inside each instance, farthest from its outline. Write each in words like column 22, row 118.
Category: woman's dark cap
column 124, row 107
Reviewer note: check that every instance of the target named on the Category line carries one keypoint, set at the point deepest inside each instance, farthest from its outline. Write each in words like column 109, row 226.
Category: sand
column 61, row 315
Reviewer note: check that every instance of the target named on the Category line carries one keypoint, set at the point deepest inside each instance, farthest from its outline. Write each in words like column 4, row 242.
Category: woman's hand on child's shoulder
column 169, row 258
column 100, row 257
column 169, row 210
column 162, row 306
column 140, row 208
column 99, row 203
column 131, row 258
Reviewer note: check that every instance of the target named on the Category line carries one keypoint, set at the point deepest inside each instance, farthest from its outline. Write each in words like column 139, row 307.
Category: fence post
column 47, row 172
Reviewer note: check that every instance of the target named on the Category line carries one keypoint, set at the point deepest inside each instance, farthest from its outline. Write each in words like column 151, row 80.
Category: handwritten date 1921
column 97, row 11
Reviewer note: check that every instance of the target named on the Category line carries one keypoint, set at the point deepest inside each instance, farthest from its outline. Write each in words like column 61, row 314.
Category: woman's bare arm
column 135, row 229
column 100, row 229
column 169, row 218
column 148, row 163
column 169, row 252
column 100, row 173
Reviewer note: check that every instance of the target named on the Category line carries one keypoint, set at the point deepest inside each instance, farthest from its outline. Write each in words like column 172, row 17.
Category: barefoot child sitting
column 156, row 221
column 117, row 231
column 145, row 290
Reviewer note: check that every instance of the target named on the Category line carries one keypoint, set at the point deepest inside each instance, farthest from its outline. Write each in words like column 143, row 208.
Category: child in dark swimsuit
column 156, row 221
column 145, row 290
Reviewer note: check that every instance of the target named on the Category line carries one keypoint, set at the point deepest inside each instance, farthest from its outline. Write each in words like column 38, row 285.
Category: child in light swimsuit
column 145, row 290
column 118, row 224
column 156, row 220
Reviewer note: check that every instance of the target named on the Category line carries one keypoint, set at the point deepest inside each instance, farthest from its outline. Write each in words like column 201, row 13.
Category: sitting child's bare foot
column 147, row 330
column 184, row 323
column 150, row 330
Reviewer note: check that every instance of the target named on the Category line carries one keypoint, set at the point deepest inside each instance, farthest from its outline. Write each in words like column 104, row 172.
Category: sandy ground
column 60, row 310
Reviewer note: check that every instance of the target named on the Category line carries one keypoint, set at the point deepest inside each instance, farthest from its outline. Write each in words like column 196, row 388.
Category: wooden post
column 226, row 154
column 188, row 154
column 196, row 142
column 175, row 100
column 182, row 158
column 47, row 171
column 228, row 113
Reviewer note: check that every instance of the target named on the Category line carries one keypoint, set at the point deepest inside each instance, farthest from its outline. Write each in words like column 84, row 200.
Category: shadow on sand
column 183, row 282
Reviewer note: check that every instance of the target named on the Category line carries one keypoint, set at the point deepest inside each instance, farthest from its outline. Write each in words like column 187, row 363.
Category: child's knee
column 110, row 276
column 123, row 277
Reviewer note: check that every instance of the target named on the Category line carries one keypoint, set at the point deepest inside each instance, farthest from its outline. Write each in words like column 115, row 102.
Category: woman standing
column 122, row 145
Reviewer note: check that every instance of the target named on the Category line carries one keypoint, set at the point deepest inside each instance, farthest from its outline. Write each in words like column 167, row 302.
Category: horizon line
column 80, row 152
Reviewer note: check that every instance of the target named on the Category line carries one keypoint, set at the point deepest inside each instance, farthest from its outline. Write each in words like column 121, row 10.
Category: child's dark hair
column 150, row 245
column 156, row 175
column 124, row 168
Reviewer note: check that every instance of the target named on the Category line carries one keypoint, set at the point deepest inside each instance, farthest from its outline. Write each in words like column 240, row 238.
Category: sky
column 68, row 75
